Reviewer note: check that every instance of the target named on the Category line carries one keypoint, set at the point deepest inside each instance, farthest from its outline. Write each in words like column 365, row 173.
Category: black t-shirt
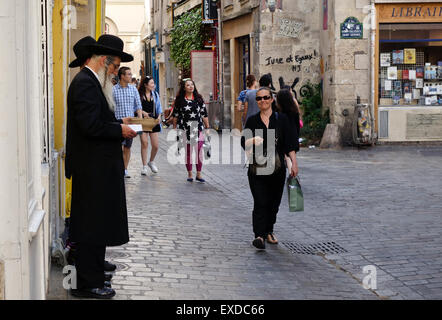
column 147, row 106
column 285, row 139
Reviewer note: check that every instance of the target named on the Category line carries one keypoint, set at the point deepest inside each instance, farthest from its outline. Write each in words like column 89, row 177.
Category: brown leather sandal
column 272, row 239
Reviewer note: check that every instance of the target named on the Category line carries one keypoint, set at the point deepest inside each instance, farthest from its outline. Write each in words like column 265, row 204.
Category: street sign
column 351, row 29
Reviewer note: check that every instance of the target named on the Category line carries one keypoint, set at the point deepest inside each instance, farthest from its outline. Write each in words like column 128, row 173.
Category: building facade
column 126, row 19
column 39, row 37
column 356, row 49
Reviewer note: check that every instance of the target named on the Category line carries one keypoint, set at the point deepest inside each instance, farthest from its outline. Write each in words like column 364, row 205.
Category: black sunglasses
column 263, row 98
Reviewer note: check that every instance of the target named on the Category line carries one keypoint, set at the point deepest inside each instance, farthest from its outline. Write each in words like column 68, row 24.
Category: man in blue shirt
column 128, row 104
column 250, row 104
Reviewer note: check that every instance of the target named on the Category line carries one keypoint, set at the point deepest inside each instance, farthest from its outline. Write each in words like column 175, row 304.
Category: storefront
column 408, row 86
column 238, row 59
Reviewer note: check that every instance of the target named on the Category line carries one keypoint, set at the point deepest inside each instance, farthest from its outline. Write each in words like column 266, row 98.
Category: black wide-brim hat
column 81, row 52
column 110, row 45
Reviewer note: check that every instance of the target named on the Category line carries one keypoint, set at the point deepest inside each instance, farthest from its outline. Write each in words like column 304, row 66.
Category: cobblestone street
column 379, row 207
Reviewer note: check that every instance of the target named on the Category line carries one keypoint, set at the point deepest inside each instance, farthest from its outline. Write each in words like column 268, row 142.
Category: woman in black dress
column 190, row 115
column 150, row 101
column 267, row 136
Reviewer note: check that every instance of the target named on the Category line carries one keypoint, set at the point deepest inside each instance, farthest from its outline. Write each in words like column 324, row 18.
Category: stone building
column 126, row 19
column 157, row 41
column 349, row 47
column 259, row 37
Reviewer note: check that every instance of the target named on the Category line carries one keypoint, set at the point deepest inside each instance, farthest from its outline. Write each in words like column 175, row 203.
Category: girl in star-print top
column 190, row 115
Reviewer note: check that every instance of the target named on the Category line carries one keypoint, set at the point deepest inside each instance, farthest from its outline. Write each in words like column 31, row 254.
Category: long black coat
column 94, row 158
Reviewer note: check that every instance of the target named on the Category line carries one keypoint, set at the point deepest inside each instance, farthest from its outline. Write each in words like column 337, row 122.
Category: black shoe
column 109, row 267
column 107, row 284
column 96, row 293
column 259, row 243
column 108, row 276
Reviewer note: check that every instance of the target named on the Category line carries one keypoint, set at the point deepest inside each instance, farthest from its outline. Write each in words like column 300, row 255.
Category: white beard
column 106, row 86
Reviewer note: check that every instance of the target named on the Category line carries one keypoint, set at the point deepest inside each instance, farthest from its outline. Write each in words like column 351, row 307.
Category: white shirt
column 96, row 74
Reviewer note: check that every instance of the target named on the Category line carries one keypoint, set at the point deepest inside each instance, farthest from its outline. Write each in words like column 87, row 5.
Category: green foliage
column 187, row 35
column 315, row 120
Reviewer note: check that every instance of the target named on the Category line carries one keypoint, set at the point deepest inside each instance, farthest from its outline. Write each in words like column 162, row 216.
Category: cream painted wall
column 21, row 192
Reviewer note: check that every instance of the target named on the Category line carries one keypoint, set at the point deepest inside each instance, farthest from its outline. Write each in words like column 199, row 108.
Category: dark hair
column 265, row 88
column 250, row 80
column 285, row 102
column 142, row 88
column 180, row 102
column 122, row 71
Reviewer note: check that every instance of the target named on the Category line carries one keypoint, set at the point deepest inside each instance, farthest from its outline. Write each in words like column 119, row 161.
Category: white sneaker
column 126, row 174
column 144, row 171
column 153, row 167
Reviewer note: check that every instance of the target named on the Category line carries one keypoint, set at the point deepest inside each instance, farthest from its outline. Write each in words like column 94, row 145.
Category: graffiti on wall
column 290, row 28
column 296, row 61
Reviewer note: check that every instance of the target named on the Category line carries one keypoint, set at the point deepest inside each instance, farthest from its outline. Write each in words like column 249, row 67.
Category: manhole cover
column 314, row 248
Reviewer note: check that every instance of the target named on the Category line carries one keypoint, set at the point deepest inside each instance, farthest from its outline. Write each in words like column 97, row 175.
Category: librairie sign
column 404, row 12
column 352, row 29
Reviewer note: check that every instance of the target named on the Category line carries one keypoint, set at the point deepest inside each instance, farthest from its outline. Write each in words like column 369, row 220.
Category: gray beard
column 106, row 86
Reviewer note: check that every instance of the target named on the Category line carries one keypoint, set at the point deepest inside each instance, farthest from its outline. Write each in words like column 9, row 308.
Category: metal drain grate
column 314, row 248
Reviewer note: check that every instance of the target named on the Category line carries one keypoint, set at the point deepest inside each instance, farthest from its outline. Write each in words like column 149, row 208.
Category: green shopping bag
column 295, row 195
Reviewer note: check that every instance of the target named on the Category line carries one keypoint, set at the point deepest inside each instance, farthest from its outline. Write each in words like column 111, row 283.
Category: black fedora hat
column 81, row 52
column 110, row 45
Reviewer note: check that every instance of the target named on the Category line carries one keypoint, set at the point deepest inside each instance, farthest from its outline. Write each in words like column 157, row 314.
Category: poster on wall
column 203, row 73
column 385, row 59
column 392, row 73
column 398, row 56
column 410, row 56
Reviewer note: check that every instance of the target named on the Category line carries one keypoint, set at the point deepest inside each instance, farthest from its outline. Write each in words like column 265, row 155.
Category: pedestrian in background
column 151, row 104
column 128, row 103
column 267, row 189
column 286, row 105
column 134, row 82
column 251, row 84
column 190, row 114
column 250, row 105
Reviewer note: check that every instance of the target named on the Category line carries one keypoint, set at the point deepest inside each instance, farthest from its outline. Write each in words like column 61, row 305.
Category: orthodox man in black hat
column 95, row 162
column 83, row 57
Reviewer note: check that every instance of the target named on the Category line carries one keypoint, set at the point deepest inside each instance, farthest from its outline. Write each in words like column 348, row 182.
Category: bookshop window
column 410, row 71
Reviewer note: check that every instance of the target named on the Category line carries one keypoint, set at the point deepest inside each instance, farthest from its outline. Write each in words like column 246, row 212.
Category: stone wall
column 346, row 64
column 289, row 45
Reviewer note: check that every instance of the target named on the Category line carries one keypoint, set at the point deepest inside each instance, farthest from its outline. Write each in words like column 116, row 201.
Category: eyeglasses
column 116, row 66
column 263, row 98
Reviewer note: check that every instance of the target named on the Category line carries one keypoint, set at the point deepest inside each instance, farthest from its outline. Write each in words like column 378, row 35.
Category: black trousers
column 89, row 263
column 267, row 193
